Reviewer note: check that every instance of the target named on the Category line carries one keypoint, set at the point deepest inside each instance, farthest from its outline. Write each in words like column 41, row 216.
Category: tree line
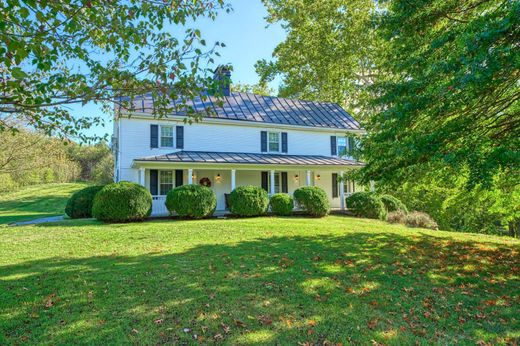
column 30, row 157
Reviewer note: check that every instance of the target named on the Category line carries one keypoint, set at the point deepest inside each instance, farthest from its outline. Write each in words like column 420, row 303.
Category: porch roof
column 248, row 158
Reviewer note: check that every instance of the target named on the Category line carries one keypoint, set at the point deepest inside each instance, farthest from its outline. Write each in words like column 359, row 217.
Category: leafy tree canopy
column 448, row 90
column 329, row 50
column 258, row 89
column 57, row 53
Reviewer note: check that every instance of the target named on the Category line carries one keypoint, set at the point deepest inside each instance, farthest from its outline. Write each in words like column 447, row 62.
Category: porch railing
column 158, row 206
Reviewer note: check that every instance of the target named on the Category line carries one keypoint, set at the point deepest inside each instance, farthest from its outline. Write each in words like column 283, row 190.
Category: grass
column 285, row 281
column 36, row 201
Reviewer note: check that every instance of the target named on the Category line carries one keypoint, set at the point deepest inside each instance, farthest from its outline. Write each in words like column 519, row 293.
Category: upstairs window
column 273, row 142
column 167, row 136
column 342, row 146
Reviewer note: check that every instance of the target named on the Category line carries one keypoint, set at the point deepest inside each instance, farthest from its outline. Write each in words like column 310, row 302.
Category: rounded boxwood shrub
column 313, row 200
column 281, row 204
column 80, row 203
column 248, row 201
column 366, row 204
column 122, row 202
column 393, row 204
column 193, row 201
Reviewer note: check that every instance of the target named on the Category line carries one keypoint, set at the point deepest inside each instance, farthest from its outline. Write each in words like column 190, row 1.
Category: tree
column 329, row 52
column 57, row 53
column 448, row 90
column 258, row 89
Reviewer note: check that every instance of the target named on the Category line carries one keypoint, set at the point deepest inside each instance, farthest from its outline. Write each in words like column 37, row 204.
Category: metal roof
column 249, row 158
column 264, row 109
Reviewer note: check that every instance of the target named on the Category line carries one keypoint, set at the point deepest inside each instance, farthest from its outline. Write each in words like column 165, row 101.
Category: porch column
column 233, row 179
column 308, row 178
column 190, row 176
column 141, row 176
column 272, row 182
column 372, row 186
column 341, row 191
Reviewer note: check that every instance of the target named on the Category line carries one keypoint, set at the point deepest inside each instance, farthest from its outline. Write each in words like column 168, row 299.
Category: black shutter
column 333, row 147
column 154, row 182
column 284, row 182
column 180, row 137
column 179, row 178
column 334, row 185
column 264, row 181
column 263, row 141
column 284, row 142
column 154, row 136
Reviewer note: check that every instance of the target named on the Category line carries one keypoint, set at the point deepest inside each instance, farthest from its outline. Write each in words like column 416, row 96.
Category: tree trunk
column 514, row 228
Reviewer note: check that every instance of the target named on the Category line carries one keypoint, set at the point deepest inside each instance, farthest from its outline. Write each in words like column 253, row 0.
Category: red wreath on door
column 205, row 182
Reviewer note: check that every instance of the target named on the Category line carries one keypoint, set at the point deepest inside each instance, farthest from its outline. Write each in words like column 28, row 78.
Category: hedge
column 281, row 204
column 79, row 205
column 192, row 201
column 393, row 204
column 313, row 200
column 366, row 204
column 122, row 202
column 248, row 201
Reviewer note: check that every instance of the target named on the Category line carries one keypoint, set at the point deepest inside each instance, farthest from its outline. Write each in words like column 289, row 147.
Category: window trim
column 159, row 182
column 279, row 134
column 161, row 136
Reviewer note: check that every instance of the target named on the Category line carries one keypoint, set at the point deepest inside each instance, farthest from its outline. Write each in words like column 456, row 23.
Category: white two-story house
column 277, row 143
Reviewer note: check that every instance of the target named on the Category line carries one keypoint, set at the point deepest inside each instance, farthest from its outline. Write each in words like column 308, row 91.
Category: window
column 167, row 136
column 274, row 142
column 277, row 182
column 165, row 182
column 350, row 187
column 342, row 146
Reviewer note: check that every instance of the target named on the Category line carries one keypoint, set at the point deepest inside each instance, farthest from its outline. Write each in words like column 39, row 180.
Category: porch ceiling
column 224, row 158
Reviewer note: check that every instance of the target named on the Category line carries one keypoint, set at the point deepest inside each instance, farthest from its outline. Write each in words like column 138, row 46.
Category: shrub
column 194, row 201
column 313, row 200
column 420, row 219
column 366, row 204
column 80, row 203
column 122, row 202
column 248, row 201
column 397, row 216
column 413, row 219
column 281, row 204
column 393, row 204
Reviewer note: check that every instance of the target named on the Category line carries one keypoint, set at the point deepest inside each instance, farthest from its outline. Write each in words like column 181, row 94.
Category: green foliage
column 96, row 161
column 122, row 202
column 124, row 48
column 193, row 201
column 313, row 200
column 366, row 204
column 447, row 92
column 248, row 201
column 281, row 204
column 257, row 89
column 80, row 203
column 393, row 204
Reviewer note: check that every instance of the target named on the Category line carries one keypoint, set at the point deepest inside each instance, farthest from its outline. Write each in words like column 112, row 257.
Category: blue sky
column 247, row 40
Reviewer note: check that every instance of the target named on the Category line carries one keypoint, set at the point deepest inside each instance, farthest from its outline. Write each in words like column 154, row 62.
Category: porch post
column 190, row 176
column 372, row 186
column 308, row 178
column 272, row 182
column 233, row 179
column 141, row 176
column 341, row 191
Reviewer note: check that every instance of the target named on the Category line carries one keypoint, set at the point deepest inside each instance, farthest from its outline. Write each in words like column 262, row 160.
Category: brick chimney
column 222, row 77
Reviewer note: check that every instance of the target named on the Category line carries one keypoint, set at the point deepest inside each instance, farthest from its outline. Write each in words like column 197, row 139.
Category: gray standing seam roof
column 250, row 158
column 264, row 109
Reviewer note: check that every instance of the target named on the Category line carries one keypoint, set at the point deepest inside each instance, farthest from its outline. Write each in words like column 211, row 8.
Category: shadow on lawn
column 281, row 290
column 29, row 208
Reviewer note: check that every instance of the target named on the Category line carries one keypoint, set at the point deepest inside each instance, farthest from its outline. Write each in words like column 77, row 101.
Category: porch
column 159, row 176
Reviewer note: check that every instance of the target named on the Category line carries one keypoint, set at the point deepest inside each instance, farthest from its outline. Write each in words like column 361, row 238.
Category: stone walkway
column 38, row 221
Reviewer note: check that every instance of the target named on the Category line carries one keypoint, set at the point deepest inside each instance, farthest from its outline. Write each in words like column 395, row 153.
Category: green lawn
column 36, row 201
column 256, row 281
